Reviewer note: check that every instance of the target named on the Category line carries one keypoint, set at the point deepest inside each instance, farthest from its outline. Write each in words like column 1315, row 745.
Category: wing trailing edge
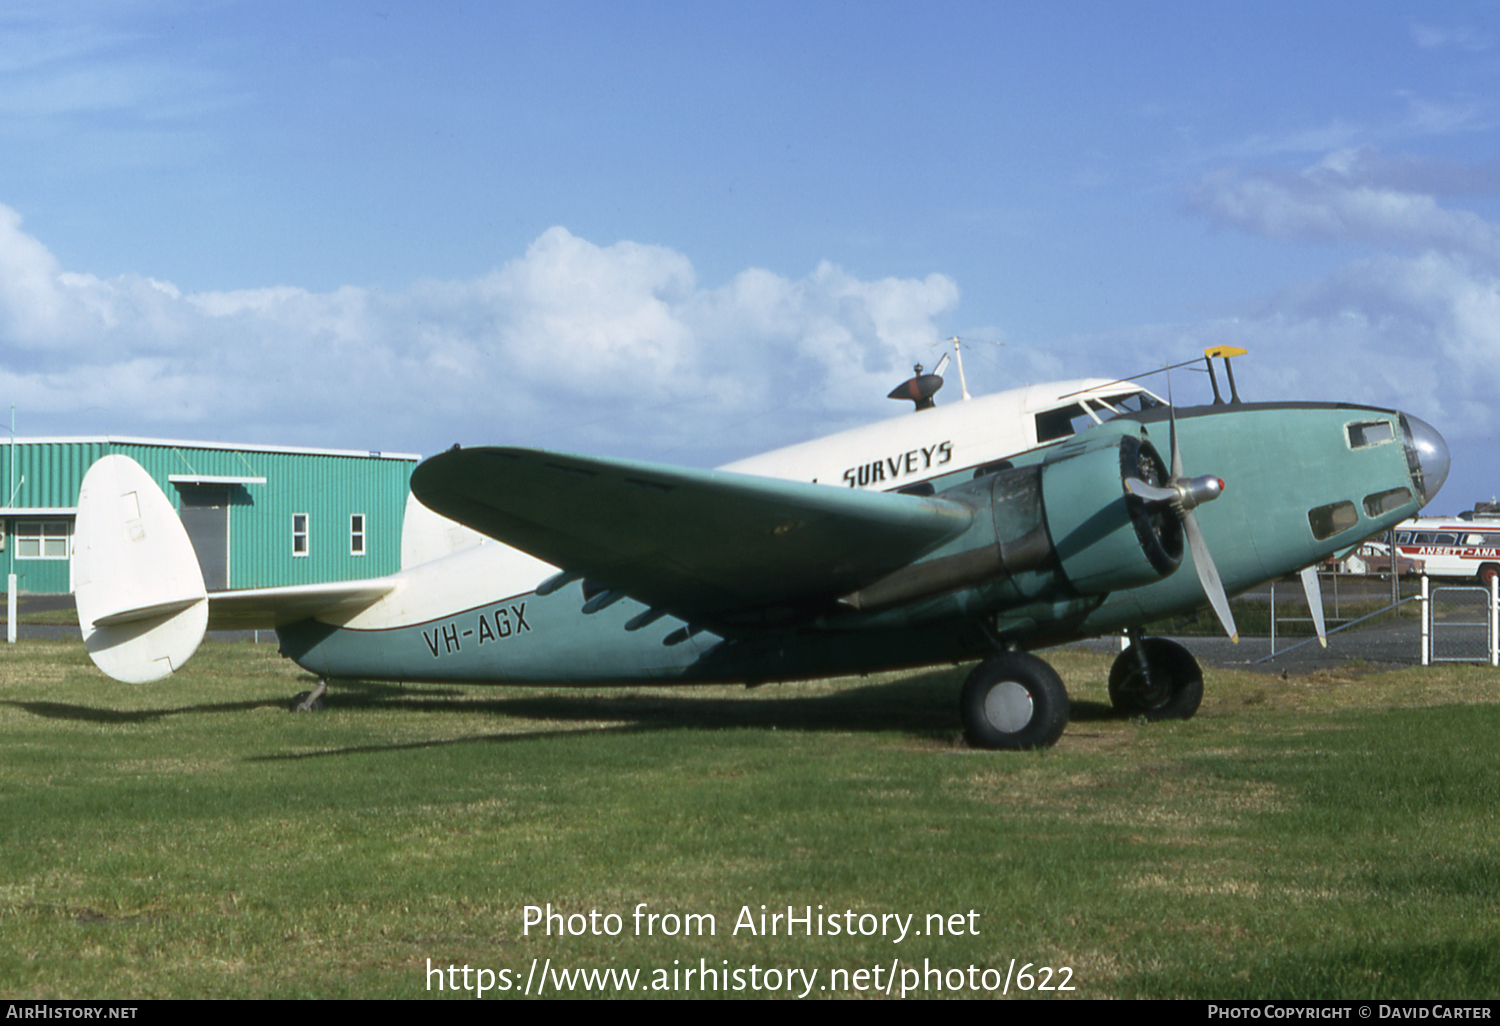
column 706, row 546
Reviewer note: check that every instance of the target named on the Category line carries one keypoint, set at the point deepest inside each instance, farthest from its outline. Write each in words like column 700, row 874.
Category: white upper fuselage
column 902, row 451
column 897, row 453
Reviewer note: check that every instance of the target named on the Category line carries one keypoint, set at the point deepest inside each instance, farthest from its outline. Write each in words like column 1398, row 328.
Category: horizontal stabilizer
column 147, row 613
column 265, row 608
column 703, row 545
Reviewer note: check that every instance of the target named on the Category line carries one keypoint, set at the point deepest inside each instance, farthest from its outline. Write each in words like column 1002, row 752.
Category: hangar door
column 205, row 514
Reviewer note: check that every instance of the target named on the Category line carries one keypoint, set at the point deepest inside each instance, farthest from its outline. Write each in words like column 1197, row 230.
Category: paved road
column 1394, row 645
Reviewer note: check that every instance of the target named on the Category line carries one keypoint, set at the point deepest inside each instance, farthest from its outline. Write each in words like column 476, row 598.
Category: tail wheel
column 1169, row 686
column 1013, row 701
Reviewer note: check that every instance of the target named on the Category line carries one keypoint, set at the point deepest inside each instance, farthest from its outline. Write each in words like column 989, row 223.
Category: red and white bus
column 1466, row 546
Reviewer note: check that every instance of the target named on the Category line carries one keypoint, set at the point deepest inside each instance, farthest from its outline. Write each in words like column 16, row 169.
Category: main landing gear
column 1157, row 679
column 310, row 701
column 1015, row 701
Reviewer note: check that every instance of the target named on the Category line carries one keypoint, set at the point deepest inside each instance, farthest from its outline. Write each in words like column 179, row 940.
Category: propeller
column 1184, row 494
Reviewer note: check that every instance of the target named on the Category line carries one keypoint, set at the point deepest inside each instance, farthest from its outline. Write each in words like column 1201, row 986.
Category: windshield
column 1069, row 420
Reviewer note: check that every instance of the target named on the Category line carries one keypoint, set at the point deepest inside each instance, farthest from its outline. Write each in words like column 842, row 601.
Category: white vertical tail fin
column 140, row 594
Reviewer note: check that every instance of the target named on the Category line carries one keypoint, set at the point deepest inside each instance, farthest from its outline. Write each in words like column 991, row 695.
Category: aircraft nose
column 1426, row 455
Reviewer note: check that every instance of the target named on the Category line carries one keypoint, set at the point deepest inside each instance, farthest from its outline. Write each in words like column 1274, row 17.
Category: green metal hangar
column 258, row 516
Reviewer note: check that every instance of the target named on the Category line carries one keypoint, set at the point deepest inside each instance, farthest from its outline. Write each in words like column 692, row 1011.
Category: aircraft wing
column 265, row 608
column 705, row 546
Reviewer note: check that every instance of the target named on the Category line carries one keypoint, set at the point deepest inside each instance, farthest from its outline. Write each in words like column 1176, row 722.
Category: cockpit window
column 1067, row 421
column 1382, row 503
column 1335, row 518
column 1061, row 423
column 1133, row 402
column 1365, row 433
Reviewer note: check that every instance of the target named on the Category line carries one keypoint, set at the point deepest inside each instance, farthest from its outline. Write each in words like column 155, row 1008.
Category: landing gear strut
column 310, row 701
column 1013, row 700
column 1157, row 679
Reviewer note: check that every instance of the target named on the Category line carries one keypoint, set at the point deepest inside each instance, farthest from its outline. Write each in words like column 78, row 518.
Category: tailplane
column 141, row 599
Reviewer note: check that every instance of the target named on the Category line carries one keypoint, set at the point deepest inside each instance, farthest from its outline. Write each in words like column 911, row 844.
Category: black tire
column 1013, row 701
column 1170, row 689
column 1487, row 572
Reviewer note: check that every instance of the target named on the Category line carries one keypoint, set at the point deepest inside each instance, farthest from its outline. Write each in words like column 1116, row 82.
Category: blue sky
column 690, row 232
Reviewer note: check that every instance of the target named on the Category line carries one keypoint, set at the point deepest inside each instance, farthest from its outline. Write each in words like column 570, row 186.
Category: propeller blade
column 1176, row 470
column 1150, row 492
column 1314, row 593
column 1182, row 494
column 1208, row 576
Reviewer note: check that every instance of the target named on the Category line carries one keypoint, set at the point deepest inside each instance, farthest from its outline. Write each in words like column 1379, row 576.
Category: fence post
column 1495, row 621
column 1273, row 617
column 1426, row 624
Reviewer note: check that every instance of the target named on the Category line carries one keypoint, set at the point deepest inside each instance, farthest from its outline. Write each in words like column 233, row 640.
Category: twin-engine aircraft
column 976, row 530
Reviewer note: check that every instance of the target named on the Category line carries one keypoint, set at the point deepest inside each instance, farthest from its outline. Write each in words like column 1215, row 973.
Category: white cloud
column 1345, row 197
column 572, row 344
column 1414, row 324
column 1433, row 37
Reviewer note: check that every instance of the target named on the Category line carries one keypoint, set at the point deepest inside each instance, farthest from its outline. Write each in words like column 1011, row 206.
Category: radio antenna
column 958, row 357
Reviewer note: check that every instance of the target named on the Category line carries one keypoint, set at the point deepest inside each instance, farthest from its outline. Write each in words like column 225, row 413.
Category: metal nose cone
column 1426, row 455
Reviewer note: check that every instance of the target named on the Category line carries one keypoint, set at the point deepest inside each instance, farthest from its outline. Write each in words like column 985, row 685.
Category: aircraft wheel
column 309, row 701
column 1013, row 701
column 1170, row 687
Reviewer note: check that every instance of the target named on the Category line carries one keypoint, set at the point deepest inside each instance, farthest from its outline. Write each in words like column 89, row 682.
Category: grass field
column 1329, row 836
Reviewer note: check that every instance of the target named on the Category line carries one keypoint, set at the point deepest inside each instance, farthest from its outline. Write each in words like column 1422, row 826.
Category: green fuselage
column 1301, row 481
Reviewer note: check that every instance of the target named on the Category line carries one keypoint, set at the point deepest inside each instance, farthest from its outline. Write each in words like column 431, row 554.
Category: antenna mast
column 958, row 356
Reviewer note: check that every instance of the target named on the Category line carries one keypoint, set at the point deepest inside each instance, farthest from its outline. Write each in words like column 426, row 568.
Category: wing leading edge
column 705, row 546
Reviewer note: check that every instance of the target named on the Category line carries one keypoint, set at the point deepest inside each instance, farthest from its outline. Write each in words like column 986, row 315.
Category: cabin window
column 1383, row 502
column 1481, row 539
column 1370, row 432
column 1332, row 519
column 299, row 534
column 43, row 539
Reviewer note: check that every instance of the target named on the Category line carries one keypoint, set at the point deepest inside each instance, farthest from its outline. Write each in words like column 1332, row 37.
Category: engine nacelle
column 1068, row 519
column 1120, row 542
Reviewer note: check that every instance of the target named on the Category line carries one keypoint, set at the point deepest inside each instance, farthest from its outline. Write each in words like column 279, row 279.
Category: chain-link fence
column 1460, row 623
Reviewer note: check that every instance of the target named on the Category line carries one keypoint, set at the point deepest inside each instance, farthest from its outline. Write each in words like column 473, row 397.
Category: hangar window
column 299, row 534
column 43, row 539
column 1332, row 519
column 356, row 534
